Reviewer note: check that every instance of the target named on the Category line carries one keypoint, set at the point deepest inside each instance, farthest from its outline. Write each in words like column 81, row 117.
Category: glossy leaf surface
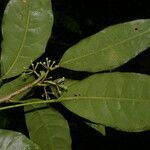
column 47, row 128
column 26, row 29
column 118, row 100
column 10, row 140
column 109, row 48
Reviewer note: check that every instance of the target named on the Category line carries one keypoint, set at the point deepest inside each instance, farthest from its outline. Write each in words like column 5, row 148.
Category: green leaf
column 98, row 127
column 47, row 128
column 70, row 82
column 26, row 29
column 10, row 140
column 13, row 86
column 118, row 100
column 108, row 48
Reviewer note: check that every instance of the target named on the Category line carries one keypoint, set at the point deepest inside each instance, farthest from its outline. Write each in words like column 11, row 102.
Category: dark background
column 75, row 20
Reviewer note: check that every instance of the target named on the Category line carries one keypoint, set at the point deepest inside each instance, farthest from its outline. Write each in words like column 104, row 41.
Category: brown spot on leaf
column 113, row 56
column 77, row 95
column 24, row 1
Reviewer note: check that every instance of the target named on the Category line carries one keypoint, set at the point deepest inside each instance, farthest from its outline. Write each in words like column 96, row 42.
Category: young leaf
column 10, row 140
column 26, row 28
column 108, row 48
column 47, row 128
column 118, row 100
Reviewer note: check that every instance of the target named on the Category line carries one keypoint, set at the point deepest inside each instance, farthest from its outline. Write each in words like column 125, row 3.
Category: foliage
column 110, row 99
column 12, row 140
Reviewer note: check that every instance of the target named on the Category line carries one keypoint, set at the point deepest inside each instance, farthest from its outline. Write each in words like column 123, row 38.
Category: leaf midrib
column 92, row 53
column 22, row 44
column 105, row 98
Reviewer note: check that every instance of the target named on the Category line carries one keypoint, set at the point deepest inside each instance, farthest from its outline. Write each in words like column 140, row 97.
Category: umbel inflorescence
column 42, row 72
column 51, row 87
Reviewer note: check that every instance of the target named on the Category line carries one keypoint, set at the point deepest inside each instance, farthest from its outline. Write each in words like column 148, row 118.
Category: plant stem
column 34, row 103
column 8, row 98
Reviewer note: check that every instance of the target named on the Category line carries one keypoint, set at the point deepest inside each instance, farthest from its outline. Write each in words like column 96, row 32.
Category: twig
column 8, row 98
